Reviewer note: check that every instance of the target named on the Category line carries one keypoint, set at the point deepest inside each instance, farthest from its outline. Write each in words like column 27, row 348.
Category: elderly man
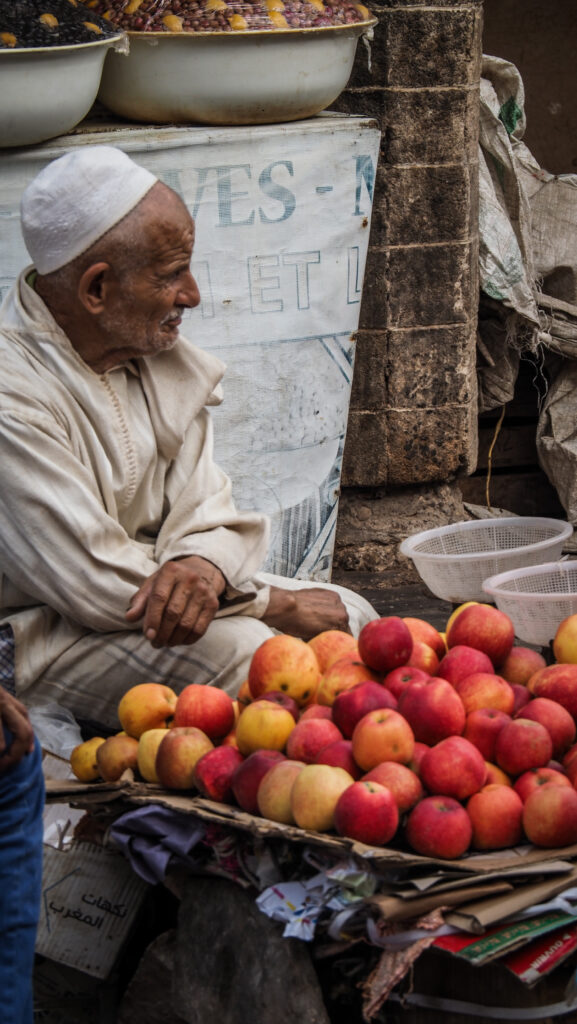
column 122, row 556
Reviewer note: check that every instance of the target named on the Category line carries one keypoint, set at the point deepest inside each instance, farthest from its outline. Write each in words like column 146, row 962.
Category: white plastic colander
column 536, row 599
column 455, row 560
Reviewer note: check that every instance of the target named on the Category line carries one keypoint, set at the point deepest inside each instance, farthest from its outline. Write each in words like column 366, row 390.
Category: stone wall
column 413, row 419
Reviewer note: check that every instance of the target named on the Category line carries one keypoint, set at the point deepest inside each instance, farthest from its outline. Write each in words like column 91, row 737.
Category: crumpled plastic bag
column 56, row 728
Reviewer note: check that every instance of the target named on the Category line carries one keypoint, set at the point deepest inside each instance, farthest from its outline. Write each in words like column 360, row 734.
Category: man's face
column 145, row 307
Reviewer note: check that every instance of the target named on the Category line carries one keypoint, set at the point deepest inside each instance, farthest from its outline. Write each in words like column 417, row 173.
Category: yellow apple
column 83, row 759
column 274, row 792
column 146, row 706
column 263, row 725
column 315, row 794
column 148, row 745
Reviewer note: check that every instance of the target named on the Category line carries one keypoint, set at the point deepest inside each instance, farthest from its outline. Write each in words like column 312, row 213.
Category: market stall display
column 51, row 58
column 277, row 61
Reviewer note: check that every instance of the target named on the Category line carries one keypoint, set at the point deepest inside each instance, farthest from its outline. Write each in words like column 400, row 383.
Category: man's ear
column 92, row 287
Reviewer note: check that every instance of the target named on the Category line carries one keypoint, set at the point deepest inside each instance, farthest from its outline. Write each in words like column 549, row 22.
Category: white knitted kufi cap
column 76, row 199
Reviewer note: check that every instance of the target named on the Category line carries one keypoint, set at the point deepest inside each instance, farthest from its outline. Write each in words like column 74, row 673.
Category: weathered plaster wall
column 413, row 419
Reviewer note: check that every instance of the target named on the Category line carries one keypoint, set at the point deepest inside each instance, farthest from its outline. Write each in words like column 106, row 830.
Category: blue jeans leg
column 21, row 806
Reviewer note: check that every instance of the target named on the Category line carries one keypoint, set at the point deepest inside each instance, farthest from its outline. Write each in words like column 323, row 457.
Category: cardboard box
column 90, row 898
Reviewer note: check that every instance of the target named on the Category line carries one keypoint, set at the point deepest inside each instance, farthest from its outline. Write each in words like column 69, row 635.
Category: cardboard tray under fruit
column 118, row 797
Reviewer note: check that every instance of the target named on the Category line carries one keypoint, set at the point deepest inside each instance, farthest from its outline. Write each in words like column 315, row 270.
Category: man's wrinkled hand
column 178, row 602
column 306, row 612
column 14, row 716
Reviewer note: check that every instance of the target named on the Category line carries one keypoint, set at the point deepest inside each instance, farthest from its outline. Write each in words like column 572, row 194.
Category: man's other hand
column 305, row 612
column 178, row 602
column 14, row 716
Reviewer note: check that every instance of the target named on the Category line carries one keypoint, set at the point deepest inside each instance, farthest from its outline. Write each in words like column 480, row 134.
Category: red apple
column 453, row 767
column 310, row 736
column 496, row 814
column 399, row 678
column 342, row 675
column 422, row 630
column 569, row 763
column 496, row 775
column 403, row 783
column 284, row 700
column 385, row 643
column 316, row 711
column 550, row 816
column 535, row 777
column 286, row 663
column 521, row 745
column 382, row 735
column 558, row 682
column 439, row 826
column 482, row 727
column 315, row 793
column 177, row 755
column 520, row 664
column 206, row 708
column 486, row 628
column 249, row 774
column 462, row 661
column 214, row 772
column 521, row 695
column 367, row 812
column 424, row 657
column 339, row 753
column 351, row 705
column 433, row 709
column 486, row 690
column 556, row 719
column 419, row 751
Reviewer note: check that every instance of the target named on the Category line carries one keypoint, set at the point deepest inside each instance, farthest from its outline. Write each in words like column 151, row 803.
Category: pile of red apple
column 442, row 743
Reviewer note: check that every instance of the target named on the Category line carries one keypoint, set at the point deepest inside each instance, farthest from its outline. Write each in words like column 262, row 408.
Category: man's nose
column 189, row 295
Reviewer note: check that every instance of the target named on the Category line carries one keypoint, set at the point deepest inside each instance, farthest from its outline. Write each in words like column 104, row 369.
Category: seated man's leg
column 21, row 806
column 91, row 677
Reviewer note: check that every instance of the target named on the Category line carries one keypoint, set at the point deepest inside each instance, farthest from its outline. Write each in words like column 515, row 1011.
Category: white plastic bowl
column 536, row 599
column 230, row 78
column 455, row 560
column 46, row 91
